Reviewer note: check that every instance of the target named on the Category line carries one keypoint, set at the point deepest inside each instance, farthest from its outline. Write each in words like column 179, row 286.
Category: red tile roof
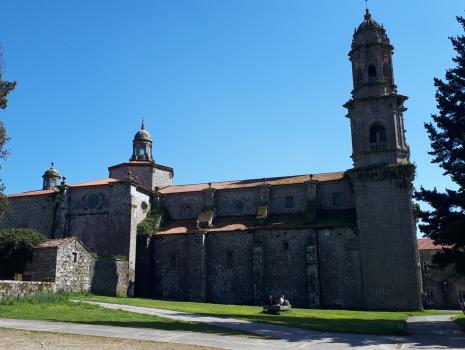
column 275, row 181
column 96, row 182
column 243, row 223
column 55, row 190
column 428, row 244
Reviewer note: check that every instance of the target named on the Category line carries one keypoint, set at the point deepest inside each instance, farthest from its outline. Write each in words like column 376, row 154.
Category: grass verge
column 58, row 307
column 460, row 320
column 346, row 321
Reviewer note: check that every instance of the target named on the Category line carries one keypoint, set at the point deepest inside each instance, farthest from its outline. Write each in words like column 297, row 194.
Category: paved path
column 433, row 332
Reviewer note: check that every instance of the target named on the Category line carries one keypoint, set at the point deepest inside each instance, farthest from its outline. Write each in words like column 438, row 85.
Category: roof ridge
column 256, row 179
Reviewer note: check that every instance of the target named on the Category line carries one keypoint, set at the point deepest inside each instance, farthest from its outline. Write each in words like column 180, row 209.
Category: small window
column 142, row 151
column 229, row 259
column 173, row 261
column 337, row 199
column 75, row 256
column 377, row 138
column 372, row 71
column 286, row 245
column 426, row 268
column 289, row 202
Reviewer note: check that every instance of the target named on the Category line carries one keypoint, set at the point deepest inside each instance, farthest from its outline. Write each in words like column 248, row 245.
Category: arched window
column 372, row 71
column 377, row 138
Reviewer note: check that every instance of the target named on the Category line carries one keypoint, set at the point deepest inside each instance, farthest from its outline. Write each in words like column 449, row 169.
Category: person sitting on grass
column 281, row 300
column 286, row 302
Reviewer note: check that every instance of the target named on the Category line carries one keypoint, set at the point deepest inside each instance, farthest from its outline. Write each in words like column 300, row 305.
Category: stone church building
column 344, row 239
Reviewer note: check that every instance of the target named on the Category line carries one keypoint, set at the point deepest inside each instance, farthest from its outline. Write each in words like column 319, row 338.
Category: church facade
column 344, row 239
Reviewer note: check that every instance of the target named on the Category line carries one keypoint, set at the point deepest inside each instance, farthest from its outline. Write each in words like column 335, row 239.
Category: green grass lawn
column 55, row 307
column 460, row 320
column 366, row 322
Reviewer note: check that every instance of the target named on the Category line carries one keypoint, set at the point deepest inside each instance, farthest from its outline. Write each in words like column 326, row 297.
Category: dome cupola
column 142, row 145
column 51, row 178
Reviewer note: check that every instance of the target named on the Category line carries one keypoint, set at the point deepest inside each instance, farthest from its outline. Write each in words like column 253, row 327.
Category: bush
column 16, row 246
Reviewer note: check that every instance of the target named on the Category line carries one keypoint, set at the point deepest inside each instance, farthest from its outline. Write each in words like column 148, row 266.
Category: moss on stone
column 156, row 218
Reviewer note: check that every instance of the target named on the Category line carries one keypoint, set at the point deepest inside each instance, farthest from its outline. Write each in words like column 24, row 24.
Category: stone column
column 313, row 281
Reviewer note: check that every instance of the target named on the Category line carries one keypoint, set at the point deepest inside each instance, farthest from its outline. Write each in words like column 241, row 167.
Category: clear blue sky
column 229, row 89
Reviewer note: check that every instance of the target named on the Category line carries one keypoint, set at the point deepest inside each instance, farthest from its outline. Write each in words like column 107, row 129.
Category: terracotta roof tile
column 286, row 180
column 55, row 190
column 32, row 193
column 243, row 223
column 106, row 181
column 428, row 244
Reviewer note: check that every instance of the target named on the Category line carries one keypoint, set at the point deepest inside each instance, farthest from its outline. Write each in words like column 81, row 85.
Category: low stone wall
column 21, row 289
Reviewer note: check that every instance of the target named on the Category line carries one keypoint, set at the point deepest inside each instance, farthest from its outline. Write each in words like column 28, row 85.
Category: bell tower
column 382, row 176
column 376, row 109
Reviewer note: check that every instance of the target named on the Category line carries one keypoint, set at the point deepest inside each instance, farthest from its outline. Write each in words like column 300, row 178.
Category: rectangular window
column 229, row 259
column 289, row 202
column 74, row 257
column 337, row 199
column 426, row 266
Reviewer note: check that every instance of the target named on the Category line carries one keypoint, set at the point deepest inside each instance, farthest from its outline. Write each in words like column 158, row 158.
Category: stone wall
column 21, row 289
column 340, row 270
column 387, row 231
column 312, row 268
column 110, row 276
column 34, row 212
column 42, row 267
column 442, row 287
column 73, row 267
column 161, row 178
column 246, row 201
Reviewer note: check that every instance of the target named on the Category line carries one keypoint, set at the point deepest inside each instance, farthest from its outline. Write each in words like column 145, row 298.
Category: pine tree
column 5, row 88
column 445, row 223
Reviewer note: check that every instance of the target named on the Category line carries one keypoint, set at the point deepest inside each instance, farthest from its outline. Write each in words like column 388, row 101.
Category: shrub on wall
column 16, row 246
column 156, row 217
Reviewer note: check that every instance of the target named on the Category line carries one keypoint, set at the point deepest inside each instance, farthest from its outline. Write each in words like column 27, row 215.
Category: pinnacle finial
column 367, row 10
column 142, row 125
column 52, row 165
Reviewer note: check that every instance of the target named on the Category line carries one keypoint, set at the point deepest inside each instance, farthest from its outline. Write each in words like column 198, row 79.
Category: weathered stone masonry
column 344, row 239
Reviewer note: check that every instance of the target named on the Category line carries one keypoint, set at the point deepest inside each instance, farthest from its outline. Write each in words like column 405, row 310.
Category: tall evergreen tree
column 5, row 88
column 445, row 223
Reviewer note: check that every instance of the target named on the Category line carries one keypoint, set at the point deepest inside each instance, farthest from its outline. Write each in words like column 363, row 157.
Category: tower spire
column 367, row 10
column 142, row 127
